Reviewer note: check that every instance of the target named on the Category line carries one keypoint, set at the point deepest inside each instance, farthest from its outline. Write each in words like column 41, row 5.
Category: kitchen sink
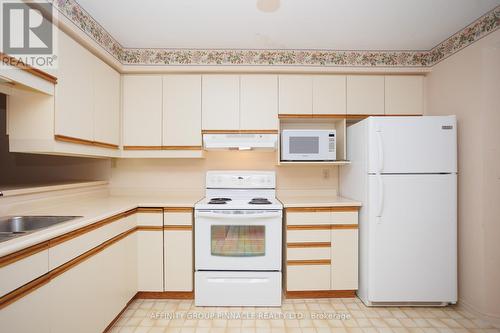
column 15, row 226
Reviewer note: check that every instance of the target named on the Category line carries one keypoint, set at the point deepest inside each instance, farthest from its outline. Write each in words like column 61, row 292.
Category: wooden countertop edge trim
column 178, row 209
column 70, row 139
column 320, row 294
column 300, row 245
column 322, row 209
column 308, row 262
column 78, row 232
column 321, row 226
column 149, row 210
column 7, row 59
column 24, row 253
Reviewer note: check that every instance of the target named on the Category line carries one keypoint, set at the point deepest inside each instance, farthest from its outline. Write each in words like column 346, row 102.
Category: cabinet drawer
column 293, row 236
column 18, row 273
column 177, row 218
column 309, row 253
column 308, row 218
column 150, row 219
column 308, row 277
column 344, row 218
column 72, row 248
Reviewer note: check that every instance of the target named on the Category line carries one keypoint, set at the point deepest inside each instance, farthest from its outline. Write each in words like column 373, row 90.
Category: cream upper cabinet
column 259, row 102
column 365, row 94
column 329, row 94
column 74, row 96
column 220, row 102
column 295, row 94
column 106, row 103
column 142, row 110
column 182, row 110
column 404, row 95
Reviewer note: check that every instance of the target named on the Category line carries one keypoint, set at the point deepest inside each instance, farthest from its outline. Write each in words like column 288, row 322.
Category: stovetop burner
column 219, row 201
column 260, row 201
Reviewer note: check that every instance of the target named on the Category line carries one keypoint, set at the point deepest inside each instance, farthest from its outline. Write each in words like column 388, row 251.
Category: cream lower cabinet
column 28, row 314
column 321, row 252
column 178, row 247
column 88, row 296
column 150, row 249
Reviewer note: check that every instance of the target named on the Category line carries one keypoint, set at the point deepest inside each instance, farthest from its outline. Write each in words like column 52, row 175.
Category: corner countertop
column 315, row 199
column 92, row 207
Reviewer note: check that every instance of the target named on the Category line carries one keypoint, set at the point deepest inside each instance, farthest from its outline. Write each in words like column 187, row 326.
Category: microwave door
column 301, row 147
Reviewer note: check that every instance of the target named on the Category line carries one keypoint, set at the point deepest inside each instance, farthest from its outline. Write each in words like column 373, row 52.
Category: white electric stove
column 238, row 232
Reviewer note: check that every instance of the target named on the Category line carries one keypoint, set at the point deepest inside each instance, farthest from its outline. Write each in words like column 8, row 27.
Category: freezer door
column 412, row 238
column 412, row 144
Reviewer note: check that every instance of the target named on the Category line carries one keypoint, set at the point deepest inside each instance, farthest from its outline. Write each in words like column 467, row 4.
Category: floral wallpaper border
column 175, row 57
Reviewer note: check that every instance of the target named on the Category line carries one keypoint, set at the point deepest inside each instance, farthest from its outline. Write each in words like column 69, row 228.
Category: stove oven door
column 238, row 240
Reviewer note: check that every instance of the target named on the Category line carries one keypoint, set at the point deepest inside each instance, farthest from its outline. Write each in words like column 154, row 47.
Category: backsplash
column 189, row 174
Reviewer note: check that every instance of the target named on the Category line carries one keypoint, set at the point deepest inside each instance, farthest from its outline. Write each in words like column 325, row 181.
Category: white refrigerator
column 404, row 171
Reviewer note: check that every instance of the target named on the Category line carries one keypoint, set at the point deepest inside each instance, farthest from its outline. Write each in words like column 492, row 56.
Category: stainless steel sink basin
column 14, row 226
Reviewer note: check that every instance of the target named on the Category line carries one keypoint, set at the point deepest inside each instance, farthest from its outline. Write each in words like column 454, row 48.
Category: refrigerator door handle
column 380, row 150
column 380, row 196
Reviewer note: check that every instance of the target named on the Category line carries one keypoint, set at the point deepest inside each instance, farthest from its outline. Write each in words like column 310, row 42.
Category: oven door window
column 304, row 145
column 238, row 241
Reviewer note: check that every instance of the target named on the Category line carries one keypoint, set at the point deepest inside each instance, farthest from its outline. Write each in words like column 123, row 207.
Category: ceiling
column 285, row 24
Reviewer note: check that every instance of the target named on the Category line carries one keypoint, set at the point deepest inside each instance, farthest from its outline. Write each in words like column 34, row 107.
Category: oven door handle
column 237, row 280
column 211, row 214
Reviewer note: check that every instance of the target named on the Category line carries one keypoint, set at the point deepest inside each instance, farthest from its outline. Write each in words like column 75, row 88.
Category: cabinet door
column 295, row 94
column 97, row 289
column 27, row 314
column 182, row 110
column 150, row 251
column 142, row 110
column 329, row 94
column 404, row 94
column 107, row 103
column 74, row 97
column 308, row 277
column 178, row 247
column 220, row 102
column 365, row 94
column 344, row 259
column 259, row 102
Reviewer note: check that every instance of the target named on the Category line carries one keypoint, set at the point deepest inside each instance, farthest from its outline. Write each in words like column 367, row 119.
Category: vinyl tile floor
column 339, row 315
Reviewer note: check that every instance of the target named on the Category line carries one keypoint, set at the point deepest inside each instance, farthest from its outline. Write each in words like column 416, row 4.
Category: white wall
column 189, row 174
column 468, row 84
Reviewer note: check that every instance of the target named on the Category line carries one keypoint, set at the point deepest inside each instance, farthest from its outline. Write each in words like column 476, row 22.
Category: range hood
column 240, row 141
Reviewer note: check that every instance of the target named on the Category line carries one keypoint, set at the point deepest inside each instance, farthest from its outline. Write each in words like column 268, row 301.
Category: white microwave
column 308, row 145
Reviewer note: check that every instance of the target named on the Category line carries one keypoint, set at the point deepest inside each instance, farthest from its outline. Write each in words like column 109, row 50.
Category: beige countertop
column 93, row 207
column 315, row 199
